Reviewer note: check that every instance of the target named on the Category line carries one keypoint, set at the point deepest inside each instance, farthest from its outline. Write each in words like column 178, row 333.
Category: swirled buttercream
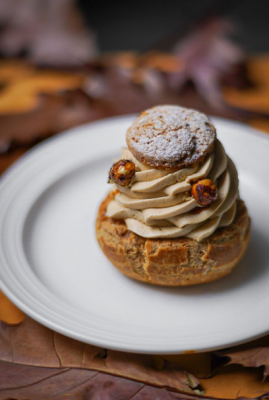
column 159, row 204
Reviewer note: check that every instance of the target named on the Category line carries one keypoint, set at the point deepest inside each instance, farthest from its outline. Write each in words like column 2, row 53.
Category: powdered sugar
column 169, row 134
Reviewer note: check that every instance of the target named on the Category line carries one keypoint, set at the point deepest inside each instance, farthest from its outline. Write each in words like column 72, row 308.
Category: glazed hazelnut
column 122, row 172
column 204, row 192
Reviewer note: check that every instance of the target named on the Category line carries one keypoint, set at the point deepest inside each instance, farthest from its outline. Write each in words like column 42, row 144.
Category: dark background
column 141, row 25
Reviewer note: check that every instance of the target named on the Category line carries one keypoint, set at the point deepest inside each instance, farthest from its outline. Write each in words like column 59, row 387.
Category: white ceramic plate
column 54, row 270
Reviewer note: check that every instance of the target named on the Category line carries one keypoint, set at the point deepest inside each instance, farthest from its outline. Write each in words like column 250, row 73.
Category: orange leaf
column 22, row 93
column 254, row 98
column 9, row 313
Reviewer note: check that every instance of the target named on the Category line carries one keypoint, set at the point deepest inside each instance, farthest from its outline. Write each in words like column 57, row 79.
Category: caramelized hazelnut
column 204, row 192
column 122, row 172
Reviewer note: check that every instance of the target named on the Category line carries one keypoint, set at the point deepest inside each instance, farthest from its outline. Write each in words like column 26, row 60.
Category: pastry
column 169, row 137
column 174, row 216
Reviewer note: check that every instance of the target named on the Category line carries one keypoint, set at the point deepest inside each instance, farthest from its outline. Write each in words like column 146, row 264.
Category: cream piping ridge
column 159, row 205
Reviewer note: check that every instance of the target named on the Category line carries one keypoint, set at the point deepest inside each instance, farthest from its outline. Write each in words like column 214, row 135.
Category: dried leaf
column 164, row 62
column 35, row 104
column 255, row 98
column 117, row 88
column 23, row 382
column 9, row 313
column 39, row 103
column 35, row 345
column 160, row 61
column 22, row 89
column 206, row 56
column 253, row 357
column 51, row 32
column 55, row 113
column 10, row 71
column 130, row 83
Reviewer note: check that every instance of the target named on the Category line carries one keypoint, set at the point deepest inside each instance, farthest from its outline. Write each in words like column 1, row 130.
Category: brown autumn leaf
column 256, row 97
column 35, row 104
column 55, row 113
column 23, row 86
column 252, row 357
column 49, row 33
column 20, row 382
column 11, row 70
column 38, row 103
column 115, row 87
column 34, row 345
column 207, row 56
column 161, row 61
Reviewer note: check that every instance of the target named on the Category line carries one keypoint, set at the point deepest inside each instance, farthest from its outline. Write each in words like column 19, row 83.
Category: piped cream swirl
column 159, row 204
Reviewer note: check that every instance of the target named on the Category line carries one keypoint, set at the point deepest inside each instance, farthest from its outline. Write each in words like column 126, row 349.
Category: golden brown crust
column 173, row 262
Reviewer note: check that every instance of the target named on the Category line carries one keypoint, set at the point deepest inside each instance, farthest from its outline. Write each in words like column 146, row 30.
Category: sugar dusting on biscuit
column 166, row 135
